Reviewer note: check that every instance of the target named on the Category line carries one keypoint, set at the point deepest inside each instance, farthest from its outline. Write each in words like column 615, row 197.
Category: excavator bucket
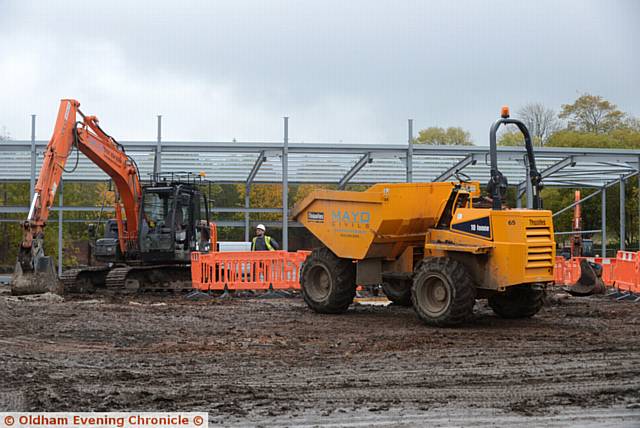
column 41, row 279
column 590, row 281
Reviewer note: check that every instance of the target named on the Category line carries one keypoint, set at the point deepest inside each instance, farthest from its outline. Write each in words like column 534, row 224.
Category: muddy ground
column 274, row 362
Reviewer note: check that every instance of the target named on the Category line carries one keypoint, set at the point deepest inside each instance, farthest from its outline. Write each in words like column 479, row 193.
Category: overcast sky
column 342, row 70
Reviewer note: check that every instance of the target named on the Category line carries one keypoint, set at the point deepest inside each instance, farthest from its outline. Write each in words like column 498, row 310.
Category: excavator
column 590, row 281
column 146, row 247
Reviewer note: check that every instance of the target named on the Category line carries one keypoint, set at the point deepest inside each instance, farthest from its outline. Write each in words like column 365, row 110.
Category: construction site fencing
column 621, row 272
column 255, row 270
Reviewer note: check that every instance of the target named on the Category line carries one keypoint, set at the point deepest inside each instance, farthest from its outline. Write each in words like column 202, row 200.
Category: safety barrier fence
column 621, row 272
column 255, row 270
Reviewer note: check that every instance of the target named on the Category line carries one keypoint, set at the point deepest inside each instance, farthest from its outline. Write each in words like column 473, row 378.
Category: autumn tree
column 591, row 113
column 452, row 136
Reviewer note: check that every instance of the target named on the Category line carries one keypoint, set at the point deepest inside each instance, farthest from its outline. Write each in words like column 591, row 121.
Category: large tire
column 328, row 283
column 523, row 301
column 398, row 291
column 443, row 293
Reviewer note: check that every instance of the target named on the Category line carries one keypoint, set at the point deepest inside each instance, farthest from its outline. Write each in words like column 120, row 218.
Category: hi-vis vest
column 267, row 242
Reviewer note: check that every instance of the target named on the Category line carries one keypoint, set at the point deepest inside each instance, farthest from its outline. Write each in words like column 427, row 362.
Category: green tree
column 515, row 138
column 592, row 113
column 452, row 136
column 623, row 138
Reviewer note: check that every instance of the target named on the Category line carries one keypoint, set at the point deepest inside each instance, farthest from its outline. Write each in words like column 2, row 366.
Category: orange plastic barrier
column 626, row 274
column 623, row 272
column 558, row 270
column 255, row 270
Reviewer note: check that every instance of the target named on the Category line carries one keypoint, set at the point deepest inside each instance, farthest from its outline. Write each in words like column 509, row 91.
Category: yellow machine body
column 389, row 228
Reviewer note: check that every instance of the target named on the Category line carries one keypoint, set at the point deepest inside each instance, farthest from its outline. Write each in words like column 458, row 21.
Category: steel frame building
column 337, row 163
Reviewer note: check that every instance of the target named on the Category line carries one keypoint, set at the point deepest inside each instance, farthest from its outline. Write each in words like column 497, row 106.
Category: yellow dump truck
column 436, row 246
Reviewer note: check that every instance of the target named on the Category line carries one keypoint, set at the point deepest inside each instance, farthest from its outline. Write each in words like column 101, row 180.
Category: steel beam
column 579, row 154
column 582, row 232
column 256, row 167
column 468, row 160
column 23, row 209
column 568, row 161
column 586, row 198
column 362, row 162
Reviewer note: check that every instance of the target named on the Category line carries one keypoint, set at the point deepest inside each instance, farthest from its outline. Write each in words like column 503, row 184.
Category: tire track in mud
column 250, row 357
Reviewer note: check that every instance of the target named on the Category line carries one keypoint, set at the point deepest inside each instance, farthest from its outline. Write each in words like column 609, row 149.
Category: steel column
column 60, row 215
column 410, row 153
column 622, row 213
column 603, row 221
column 157, row 166
column 247, row 205
column 32, row 178
column 519, row 195
column 285, row 187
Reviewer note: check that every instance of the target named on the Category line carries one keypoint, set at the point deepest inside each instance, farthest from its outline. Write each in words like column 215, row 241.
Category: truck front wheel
column 328, row 283
column 443, row 293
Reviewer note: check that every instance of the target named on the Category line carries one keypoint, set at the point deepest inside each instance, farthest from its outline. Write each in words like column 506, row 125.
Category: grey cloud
column 342, row 70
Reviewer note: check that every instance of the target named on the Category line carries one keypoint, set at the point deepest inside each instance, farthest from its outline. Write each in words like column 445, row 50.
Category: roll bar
column 497, row 186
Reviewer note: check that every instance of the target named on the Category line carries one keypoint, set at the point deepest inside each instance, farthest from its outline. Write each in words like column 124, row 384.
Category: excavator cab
column 170, row 221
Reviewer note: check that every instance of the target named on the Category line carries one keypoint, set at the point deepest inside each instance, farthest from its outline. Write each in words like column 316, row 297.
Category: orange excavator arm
column 101, row 149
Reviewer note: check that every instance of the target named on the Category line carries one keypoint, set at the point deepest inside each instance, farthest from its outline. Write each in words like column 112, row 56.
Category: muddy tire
column 398, row 291
column 443, row 293
column 328, row 283
column 522, row 301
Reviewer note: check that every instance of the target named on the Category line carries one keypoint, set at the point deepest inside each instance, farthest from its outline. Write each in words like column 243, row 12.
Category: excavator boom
column 34, row 271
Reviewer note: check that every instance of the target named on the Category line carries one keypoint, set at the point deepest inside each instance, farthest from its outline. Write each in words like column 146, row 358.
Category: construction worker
column 262, row 242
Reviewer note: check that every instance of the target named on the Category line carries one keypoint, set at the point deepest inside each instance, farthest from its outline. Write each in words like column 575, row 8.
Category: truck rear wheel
column 328, row 283
column 398, row 291
column 443, row 293
column 522, row 301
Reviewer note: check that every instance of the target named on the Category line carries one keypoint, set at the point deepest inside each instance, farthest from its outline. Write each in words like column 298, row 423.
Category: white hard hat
column 261, row 227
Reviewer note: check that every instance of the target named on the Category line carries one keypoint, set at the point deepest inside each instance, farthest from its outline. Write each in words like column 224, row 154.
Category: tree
column 452, row 136
column 591, row 113
column 623, row 138
column 632, row 123
column 4, row 134
column 541, row 121
column 515, row 138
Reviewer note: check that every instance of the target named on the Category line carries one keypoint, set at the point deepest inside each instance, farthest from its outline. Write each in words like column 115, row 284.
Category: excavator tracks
column 127, row 279
column 161, row 278
column 84, row 279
